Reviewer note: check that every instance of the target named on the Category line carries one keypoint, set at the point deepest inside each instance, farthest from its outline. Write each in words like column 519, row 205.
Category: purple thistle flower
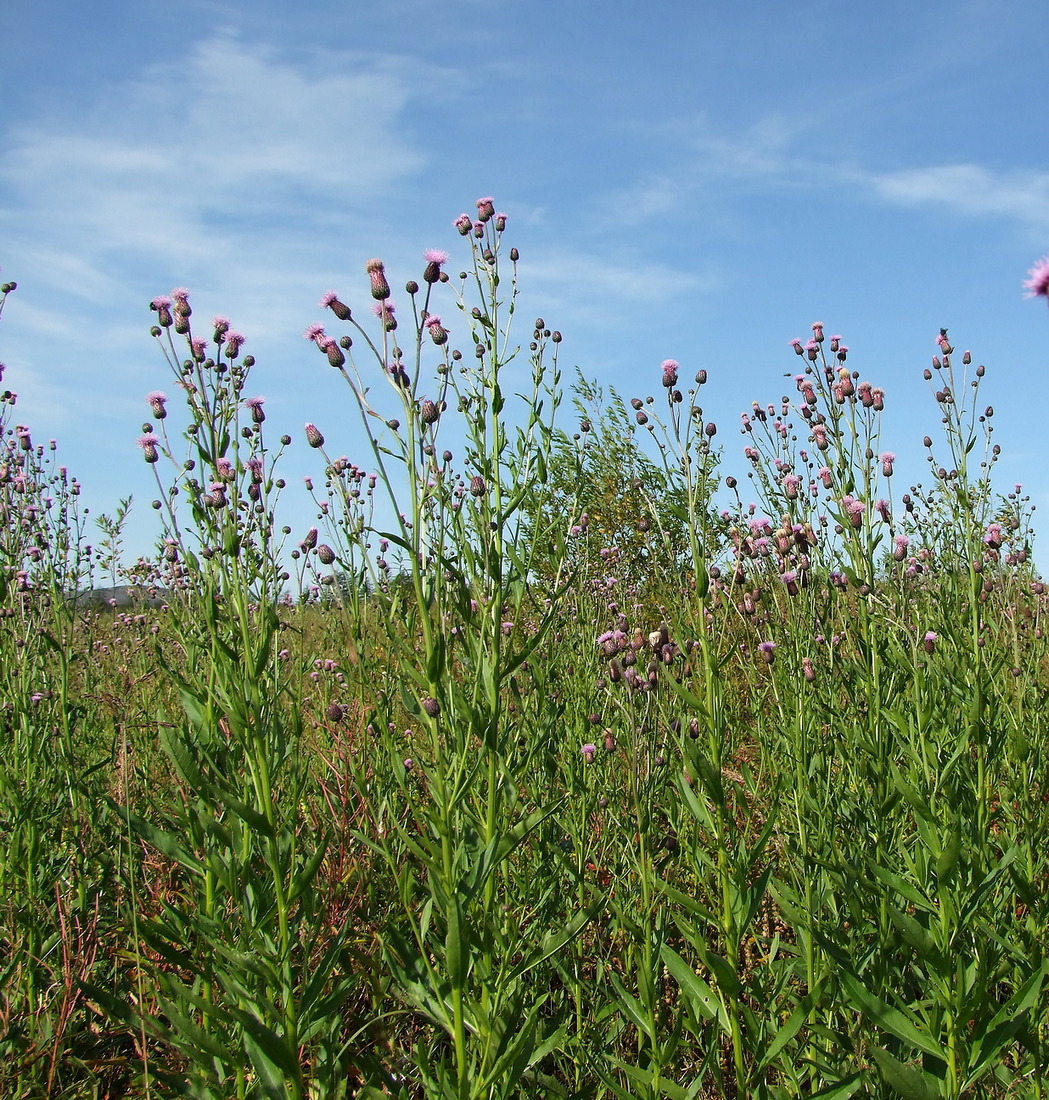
column 438, row 333
column 435, row 258
column 331, row 301
column 255, row 405
column 589, row 751
column 156, row 401
column 767, row 651
column 1037, row 282
column 148, row 443
column 333, row 352
column 463, row 223
column 485, row 208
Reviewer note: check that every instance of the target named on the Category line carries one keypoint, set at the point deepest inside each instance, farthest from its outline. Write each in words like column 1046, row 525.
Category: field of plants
column 568, row 755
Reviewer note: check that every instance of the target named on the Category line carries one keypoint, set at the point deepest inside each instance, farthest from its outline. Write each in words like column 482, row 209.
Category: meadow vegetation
column 568, row 755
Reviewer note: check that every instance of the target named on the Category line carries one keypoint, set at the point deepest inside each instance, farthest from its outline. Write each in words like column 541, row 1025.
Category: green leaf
column 554, row 941
column 890, row 1019
column 633, row 1009
column 792, row 1025
column 913, row 932
column 841, row 1090
column 908, row 1081
column 702, row 998
column 646, row 1077
column 903, row 888
column 165, row 843
column 987, row 1040
column 948, row 859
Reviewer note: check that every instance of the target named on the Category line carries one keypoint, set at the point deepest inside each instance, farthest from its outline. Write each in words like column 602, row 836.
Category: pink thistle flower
column 1037, row 282
column 485, row 208
column 221, row 326
column 438, row 333
column 161, row 301
column 589, row 751
column 463, row 223
column 234, row 342
column 887, row 459
column 156, row 401
column 180, row 295
column 199, row 346
column 435, row 258
column 670, row 368
column 254, row 404
column 333, row 352
column 148, row 443
column 899, row 549
column 930, row 640
column 767, row 651
column 314, row 333
column 331, row 301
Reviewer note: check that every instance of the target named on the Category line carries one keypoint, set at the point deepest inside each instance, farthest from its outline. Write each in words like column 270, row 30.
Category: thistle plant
column 449, row 812
column 249, row 983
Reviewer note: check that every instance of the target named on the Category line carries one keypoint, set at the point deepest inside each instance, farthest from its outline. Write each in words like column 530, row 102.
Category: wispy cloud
column 175, row 164
column 969, row 189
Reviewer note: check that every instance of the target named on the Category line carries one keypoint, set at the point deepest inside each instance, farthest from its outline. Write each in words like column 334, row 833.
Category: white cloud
column 969, row 189
column 175, row 165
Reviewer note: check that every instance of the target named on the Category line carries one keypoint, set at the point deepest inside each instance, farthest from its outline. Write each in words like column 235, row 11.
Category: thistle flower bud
column 162, row 307
column 380, row 287
column 148, row 443
column 435, row 258
column 477, row 486
column 428, row 411
column 438, row 333
column 334, row 354
column 325, row 554
column 310, row 541
column 340, row 309
column 431, row 706
column 313, row 436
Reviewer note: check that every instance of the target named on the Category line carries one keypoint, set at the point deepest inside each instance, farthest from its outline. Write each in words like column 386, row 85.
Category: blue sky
column 689, row 180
